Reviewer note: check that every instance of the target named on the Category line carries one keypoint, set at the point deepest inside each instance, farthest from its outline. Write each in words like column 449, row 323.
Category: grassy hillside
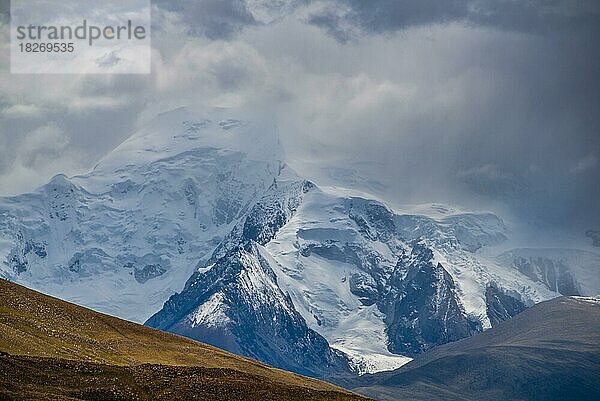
column 548, row 352
column 54, row 350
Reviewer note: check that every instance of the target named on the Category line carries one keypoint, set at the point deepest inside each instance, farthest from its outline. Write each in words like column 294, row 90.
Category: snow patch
column 211, row 313
column 591, row 300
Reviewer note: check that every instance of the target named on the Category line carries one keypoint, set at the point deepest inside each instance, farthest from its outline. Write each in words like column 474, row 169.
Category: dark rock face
column 500, row 305
column 417, row 297
column 552, row 273
column 61, row 195
column 252, row 317
column 39, row 248
column 18, row 257
column 234, row 301
column 374, row 220
column 273, row 211
column 332, row 251
column 421, row 309
column 148, row 272
column 266, row 217
column 18, row 263
column 237, row 304
column 365, row 288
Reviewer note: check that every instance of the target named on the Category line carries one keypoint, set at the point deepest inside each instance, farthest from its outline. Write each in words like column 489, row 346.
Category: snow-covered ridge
column 566, row 271
column 590, row 300
column 338, row 256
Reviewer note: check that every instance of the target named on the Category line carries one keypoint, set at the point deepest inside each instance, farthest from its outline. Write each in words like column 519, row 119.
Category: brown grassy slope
column 35, row 378
column 45, row 336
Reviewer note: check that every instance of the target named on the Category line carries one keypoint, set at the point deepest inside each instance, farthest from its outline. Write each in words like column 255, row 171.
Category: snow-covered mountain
column 380, row 286
column 126, row 236
column 565, row 271
column 202, row 214
column 235, row 302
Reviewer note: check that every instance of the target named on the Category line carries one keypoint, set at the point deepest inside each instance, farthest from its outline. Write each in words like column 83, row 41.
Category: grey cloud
column 457, row 112
column 230, row 77
column 346, row 20
column 42, row 135
column 341, row 18
column 4, row 11
column 482, row 116
column 109, row 59
column 492, row 180
column 385, row 15
column 333, row 24
column 214, row 19
column 536, row 15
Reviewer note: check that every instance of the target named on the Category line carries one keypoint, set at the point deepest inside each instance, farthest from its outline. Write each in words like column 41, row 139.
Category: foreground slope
column 548, row 352
column 50, row 349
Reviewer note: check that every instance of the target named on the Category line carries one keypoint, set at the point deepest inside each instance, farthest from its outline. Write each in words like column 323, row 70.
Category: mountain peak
column 58, row 181
column 183, row 130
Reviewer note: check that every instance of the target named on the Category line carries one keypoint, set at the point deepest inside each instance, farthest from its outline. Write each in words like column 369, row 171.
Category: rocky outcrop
column 500, row 305
column 554, row 274
column 422, row 309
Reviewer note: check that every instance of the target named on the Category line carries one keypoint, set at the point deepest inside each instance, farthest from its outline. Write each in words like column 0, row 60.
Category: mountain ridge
column 190, row 192
column 549, row 351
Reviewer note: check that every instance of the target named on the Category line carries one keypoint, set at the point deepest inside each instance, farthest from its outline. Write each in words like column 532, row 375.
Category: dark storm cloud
column 476, row 103
column 214, row 19
column 534, row 145
column 541, row 132
column 332, row 23
column 342, row 17
column 534, row 15
column 505, row 112
column 385, row 15
column 4, row 11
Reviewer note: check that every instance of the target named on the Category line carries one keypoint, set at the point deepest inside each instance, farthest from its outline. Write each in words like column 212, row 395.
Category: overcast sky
column 480, row 103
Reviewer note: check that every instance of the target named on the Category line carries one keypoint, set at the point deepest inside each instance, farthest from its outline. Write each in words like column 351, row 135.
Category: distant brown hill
column 548, row 352
column 55, row 350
